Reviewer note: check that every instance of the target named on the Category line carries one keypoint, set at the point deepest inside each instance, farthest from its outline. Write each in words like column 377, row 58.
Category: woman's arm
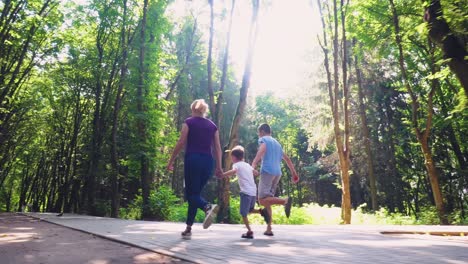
column 217, row 146
column 179, row 146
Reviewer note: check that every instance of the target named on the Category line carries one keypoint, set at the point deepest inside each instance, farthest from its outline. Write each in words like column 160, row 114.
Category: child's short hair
column 265, row 128
column 238, row 152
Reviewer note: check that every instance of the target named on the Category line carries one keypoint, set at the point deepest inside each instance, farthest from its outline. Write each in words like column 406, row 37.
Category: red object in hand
column 295, row 178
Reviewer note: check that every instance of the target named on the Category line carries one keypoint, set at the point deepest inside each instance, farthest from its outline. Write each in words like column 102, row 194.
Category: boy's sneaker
column 266, row 215
column 211, row 210
column 248, row 235
column 287, row 207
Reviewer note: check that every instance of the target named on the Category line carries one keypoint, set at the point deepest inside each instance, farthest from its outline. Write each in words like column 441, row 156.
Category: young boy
column 270, row 152
column 248, row 189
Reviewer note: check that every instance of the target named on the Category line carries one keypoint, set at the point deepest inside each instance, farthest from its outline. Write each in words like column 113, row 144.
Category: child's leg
column 246, row 223
column 268, row 208
column 269, row 201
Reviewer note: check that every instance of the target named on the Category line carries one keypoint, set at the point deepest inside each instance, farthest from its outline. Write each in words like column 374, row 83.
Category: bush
column 161, row 202
column 167, row 206
column 133, row 211
column 179, row 214
column 102, row 208
column 160, row 205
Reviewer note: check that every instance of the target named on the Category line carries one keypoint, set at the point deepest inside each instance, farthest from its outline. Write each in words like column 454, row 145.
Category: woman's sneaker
column 210, row 210
column 187, row 233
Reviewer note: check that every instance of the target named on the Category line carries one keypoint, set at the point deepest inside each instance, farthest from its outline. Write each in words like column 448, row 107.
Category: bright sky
column 286, row 52
column 286, row 56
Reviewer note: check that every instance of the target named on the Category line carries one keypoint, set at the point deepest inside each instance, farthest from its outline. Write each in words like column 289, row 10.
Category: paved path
column 291, row 244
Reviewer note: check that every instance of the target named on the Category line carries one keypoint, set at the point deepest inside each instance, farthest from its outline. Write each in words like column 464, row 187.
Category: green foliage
column 161, row 202
column 133, row 211
column 102, row 208
column 179, row 214
column 162, row 206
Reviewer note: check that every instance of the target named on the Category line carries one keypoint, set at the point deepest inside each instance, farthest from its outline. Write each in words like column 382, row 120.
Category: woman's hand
column 219, row 173
column 170, row 166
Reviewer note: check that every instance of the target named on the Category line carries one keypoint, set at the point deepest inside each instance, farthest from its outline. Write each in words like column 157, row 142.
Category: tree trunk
column 144, row 169
column 223, row 189
column 334, row 94
column 367, row 141
column 114, row 178
column 218, row 116
column 421, row 136
column 345, row 163
column 440, row 33
column 209, row 62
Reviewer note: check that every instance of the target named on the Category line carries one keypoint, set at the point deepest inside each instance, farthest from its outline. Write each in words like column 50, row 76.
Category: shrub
column 102, row 208
column 161, row 202
column 133, row 211
column 178, row 213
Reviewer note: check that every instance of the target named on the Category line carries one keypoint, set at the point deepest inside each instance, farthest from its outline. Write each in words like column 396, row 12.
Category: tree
column 442, row 35
column 339, row 105
column 239, row 114
column 421, row 135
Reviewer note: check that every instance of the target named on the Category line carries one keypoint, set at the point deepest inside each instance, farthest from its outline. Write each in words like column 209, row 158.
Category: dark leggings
column 198, row 169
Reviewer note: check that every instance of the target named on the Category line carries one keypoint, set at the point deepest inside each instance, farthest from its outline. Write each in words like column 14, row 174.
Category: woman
column 199, row 135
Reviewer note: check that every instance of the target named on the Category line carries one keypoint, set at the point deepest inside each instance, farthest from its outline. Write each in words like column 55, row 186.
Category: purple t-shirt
column 200, row 135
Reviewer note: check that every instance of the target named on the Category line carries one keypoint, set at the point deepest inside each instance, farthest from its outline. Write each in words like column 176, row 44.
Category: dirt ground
column 27, row 240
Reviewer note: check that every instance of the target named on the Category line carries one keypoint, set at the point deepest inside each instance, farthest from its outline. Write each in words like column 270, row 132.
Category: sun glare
column 284, row 56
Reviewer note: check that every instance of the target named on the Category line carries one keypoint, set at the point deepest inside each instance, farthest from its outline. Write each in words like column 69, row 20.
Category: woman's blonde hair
column 199, row 107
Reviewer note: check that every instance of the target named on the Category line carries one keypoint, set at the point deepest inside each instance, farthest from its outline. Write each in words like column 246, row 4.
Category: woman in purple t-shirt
column 200, row 137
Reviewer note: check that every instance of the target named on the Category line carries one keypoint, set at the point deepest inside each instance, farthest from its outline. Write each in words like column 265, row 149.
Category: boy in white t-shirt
column 248, row 189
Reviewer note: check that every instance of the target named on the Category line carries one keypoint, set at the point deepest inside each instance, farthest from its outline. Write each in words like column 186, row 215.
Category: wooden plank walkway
column 291, row 244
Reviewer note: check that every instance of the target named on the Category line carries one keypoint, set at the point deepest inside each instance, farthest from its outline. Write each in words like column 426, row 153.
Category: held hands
column 256, row 173
column 170, row 166
column 219, row 173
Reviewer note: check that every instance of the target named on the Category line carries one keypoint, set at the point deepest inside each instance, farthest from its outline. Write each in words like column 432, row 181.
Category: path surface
column 291, row 244
column 27, row 240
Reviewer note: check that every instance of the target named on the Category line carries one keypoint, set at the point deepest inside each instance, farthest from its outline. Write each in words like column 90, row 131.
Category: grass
column 314, row 214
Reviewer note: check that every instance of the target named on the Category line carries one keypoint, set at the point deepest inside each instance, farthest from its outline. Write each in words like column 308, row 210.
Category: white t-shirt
column 244, row 173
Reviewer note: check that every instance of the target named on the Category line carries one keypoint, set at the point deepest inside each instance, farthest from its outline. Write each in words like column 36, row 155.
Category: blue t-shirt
column 271, row 161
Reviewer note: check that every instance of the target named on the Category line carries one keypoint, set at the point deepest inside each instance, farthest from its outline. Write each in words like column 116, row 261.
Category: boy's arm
column 229, row 173
column 260, row 153
column 295, row 177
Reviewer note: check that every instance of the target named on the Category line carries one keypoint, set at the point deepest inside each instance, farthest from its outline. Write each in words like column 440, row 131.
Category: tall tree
column 451, row 46
column 218, row 114
column 422, row 135
column 366, row 135
column 339, row 100
column 239, row 114
column 209, row 62
column 141, row 126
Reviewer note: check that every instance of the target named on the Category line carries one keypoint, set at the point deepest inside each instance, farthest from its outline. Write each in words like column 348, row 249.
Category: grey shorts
column 267, row 185
column 247, row 204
